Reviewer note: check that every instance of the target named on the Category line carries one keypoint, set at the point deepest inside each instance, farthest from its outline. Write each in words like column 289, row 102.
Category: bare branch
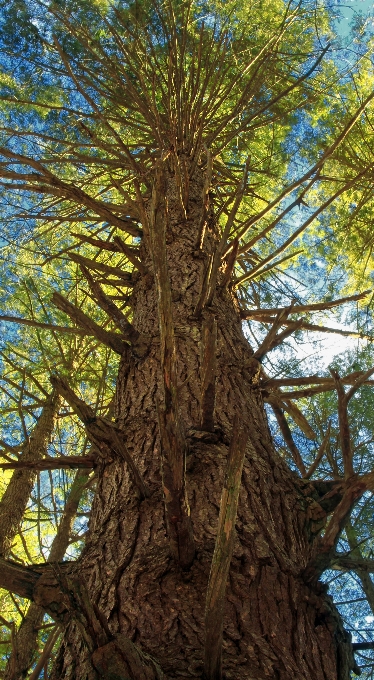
column 40, row 324
column 345, row 435
column 348, row 563
column 58, row 463
column 139, row 342
column 108, row 338
column 106, row 438
column 320, row 453
column 104, row 268
column 287, row 436
column 129, row 252
column 296, row 309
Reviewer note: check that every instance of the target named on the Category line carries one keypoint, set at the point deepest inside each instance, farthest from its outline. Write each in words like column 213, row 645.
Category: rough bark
column 14, row 501
column 275, row 625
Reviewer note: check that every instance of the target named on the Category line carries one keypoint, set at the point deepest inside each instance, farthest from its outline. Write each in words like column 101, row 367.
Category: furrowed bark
column 208, row 369
column 173, row 443
column 272, row 617
column 215, row 599
column 16, row 496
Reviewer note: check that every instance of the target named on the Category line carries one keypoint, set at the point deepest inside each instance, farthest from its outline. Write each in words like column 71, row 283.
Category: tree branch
column 345, row 435
column 57, row 463
column 40, row 324
column 108, row 338
column 104, row 268
column 296, row 309
column 129, row 252
column 101, row 432
column 287, row 436
column 348, row 563
column 320, row 453
column 140, row 343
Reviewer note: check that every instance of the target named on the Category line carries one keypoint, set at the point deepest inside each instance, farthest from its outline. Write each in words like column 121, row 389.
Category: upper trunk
column 275, row 626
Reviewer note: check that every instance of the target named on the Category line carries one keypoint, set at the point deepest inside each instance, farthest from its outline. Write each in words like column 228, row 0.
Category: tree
column 161, row 142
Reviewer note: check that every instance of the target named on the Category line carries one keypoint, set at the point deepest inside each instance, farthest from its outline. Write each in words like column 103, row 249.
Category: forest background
column 305, row 256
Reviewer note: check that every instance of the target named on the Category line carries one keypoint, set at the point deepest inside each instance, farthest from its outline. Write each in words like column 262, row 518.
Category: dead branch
column 357, row 646
column 325, row 549
column 130, row 254
column 108, row 338
column 105, row 437
column 305, row 326
column 215, row 599
column 208, row 372
column 18, row 579
column 97, row 242
column 298, row 417
column 217, row 258
column 206, row 188
column 57, row 463
column 104, row 268
column 287, row 436
column 348, row 563
column 44, row 181
column 204, row 288
column 46, row 653
column 296, row 309
column 343, row 400
column 139, row 342
column 230, row 264
column 273, row 340
column 40, row 324
column 349, row 379
column 345, row 435
column 320, row 453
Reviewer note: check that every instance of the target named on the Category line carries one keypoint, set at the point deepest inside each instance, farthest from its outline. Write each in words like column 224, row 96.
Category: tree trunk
column 275, row 625
column 17, row 494
column 25, row 641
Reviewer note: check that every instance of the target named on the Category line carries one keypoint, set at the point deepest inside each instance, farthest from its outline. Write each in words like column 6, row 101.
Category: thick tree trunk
column 275, row 626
